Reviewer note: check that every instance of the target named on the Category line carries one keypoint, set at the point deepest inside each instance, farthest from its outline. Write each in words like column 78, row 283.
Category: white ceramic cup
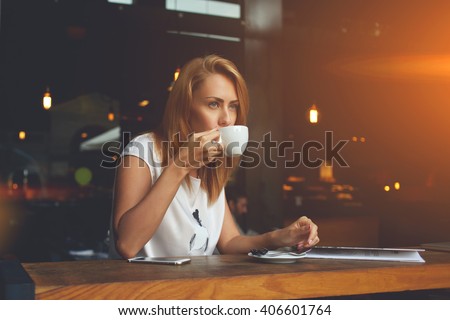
column 234, row 140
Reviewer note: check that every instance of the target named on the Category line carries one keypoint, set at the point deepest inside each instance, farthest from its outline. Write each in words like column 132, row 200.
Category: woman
column 169, row 193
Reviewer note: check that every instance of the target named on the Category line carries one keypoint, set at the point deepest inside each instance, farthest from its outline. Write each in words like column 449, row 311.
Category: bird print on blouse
column 200, row 238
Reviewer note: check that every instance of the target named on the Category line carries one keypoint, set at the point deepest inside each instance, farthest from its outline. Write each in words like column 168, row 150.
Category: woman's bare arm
column 302, row 233
column 140, row 205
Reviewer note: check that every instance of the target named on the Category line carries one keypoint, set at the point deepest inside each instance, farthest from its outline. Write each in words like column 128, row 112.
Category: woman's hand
column 200, row 149
column 301, row 233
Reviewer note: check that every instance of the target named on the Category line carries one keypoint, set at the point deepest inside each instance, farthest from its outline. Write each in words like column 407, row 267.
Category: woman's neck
column 194, row 173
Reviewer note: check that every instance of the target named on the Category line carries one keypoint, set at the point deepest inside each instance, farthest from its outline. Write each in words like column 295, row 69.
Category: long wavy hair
column 175, row 127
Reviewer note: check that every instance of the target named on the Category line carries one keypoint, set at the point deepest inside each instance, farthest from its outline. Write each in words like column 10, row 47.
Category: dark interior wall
column 378, row 70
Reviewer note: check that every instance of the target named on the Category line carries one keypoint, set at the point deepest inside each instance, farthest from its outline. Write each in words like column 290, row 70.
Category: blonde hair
column 175, row 126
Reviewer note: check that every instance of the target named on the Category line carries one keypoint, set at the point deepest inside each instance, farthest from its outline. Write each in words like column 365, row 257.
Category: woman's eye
column 233, row 106
column 213, row 104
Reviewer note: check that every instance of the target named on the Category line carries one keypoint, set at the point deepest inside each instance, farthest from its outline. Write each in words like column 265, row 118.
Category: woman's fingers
column 211, row 148
column 306, row 245
column 207, row 137
column 308, row 233
column 313, row 237
column 203, row 148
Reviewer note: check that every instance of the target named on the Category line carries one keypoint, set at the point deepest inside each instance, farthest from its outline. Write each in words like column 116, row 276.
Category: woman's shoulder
column 141, row 145
column 144, row 137
column 143, row 141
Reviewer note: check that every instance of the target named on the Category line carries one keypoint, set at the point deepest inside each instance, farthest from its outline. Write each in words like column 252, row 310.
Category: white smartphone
column 160, row 260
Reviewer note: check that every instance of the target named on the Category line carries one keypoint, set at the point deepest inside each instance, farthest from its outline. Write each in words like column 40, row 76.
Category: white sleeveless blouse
column 190, row 226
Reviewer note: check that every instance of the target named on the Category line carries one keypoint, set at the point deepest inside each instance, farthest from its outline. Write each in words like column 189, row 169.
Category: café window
column 205, row 35
column 206, row 7
column 129, row 2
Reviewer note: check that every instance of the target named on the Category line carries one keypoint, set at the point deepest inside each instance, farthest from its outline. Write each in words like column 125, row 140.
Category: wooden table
column 235, row 277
